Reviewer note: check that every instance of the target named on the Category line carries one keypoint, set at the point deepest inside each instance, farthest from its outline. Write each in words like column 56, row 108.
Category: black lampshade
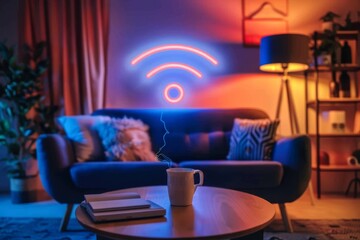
column 289, row 49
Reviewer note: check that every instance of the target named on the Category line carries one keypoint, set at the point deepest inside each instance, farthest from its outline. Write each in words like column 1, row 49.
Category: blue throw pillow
column 252, row 139
column 80, row 130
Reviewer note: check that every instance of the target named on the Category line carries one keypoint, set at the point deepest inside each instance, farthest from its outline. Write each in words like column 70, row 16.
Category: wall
column 215, row 25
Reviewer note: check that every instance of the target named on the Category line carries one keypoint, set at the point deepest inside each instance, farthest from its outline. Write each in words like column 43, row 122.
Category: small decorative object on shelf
column 344, row 84
column 337, row 121
column 346, row 53
column 334, row 89
column 324, row 158
column 354, row 159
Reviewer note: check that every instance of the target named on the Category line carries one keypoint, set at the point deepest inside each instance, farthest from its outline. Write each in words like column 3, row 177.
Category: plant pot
column 25, row 190
column 324, row 59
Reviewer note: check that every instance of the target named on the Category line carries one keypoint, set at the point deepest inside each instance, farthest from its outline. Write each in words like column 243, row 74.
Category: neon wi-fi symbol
column 174, row 65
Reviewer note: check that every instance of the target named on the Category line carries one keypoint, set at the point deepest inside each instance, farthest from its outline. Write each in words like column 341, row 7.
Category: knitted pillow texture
column 126, row 139
column 252, row 139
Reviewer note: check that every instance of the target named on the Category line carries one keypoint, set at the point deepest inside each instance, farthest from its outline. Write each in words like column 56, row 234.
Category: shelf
column 318, row 106
column 342, row 35
column 333, row 101
column 336, row 135
column 336, row 67
column 338, row 168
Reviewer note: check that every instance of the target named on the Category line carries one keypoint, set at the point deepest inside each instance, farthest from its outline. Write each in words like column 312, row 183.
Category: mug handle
column 201, row 175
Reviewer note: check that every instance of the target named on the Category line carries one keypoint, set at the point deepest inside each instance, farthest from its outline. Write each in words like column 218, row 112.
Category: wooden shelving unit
column 317, row 104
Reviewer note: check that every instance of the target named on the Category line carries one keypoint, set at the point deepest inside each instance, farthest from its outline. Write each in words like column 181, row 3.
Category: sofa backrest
column 193, row 134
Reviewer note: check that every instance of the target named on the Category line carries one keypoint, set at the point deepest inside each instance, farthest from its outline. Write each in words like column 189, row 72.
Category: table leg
column 354, row 181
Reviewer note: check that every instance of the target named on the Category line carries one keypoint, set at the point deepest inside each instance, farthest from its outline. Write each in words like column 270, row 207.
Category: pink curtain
column 76, row 32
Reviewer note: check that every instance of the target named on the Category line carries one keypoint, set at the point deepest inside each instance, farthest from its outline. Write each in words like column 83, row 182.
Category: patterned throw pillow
column 252, row 139
column 126, row 139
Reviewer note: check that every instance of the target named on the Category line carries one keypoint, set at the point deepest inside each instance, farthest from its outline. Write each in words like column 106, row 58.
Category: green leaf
column 11, row 134
column 4, row 125
column 42, row 66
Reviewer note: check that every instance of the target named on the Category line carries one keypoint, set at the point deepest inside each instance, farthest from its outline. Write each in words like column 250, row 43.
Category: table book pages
column 120, row 206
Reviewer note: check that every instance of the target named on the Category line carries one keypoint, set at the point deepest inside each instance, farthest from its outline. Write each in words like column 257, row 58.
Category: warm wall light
column 285, row 53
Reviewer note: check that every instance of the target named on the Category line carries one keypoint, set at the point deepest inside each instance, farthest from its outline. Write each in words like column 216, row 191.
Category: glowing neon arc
column 174, row 65
column 173, row 47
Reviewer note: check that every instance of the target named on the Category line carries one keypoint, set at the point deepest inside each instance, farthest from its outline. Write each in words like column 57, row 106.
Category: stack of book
column 120, row 206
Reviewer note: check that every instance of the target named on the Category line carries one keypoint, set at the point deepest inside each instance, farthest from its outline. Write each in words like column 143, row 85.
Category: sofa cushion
column 239, row 175
column 109, row 176
column 126, row 139
column 252, row 139
column 80, row 130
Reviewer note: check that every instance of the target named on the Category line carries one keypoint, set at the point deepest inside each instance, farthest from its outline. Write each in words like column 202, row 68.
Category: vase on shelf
column 334, row 86
column 344, row 86
column 346, row 53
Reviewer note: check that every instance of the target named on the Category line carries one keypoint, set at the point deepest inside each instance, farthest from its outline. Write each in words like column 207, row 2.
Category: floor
column 334, row 206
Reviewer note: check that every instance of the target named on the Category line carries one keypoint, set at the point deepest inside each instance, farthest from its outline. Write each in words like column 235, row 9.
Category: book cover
column 153, row 211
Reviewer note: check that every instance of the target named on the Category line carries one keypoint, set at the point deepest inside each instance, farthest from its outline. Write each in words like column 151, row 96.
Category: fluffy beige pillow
column 126, row 139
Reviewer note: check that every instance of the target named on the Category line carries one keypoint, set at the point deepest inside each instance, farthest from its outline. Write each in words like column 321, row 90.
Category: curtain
column 76, row 32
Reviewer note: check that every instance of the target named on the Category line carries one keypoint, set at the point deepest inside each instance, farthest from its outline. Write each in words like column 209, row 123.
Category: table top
column 215, row 213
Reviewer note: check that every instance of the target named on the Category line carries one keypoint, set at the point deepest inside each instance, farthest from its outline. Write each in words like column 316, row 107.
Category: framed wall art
column 262, row 18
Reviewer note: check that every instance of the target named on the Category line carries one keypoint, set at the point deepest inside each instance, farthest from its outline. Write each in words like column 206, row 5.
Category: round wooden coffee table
column 216, row 213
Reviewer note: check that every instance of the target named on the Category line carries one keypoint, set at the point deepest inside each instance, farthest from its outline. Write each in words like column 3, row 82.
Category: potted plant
column 330, row 47
column 328, row 20
column 23, row 116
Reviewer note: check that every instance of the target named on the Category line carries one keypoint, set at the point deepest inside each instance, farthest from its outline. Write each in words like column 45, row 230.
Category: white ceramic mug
column 181, row 185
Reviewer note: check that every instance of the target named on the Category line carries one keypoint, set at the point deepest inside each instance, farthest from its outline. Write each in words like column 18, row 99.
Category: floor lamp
column 284, row 53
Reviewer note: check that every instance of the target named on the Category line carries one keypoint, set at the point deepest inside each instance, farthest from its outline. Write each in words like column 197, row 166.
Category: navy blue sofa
column 198, row 138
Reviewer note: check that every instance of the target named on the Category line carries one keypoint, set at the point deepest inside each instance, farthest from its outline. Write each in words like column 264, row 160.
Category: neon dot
column 170, row 90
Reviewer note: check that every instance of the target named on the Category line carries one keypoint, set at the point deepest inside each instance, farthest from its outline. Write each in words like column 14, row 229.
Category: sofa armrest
column 55, row 156
column 294, row 153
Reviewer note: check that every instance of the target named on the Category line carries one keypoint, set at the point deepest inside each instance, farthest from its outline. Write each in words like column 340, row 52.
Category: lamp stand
column 294, row 124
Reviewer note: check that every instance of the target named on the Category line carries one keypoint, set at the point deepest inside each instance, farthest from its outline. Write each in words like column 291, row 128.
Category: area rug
column 47, row 228
column 343, row 229
column 41, row 229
